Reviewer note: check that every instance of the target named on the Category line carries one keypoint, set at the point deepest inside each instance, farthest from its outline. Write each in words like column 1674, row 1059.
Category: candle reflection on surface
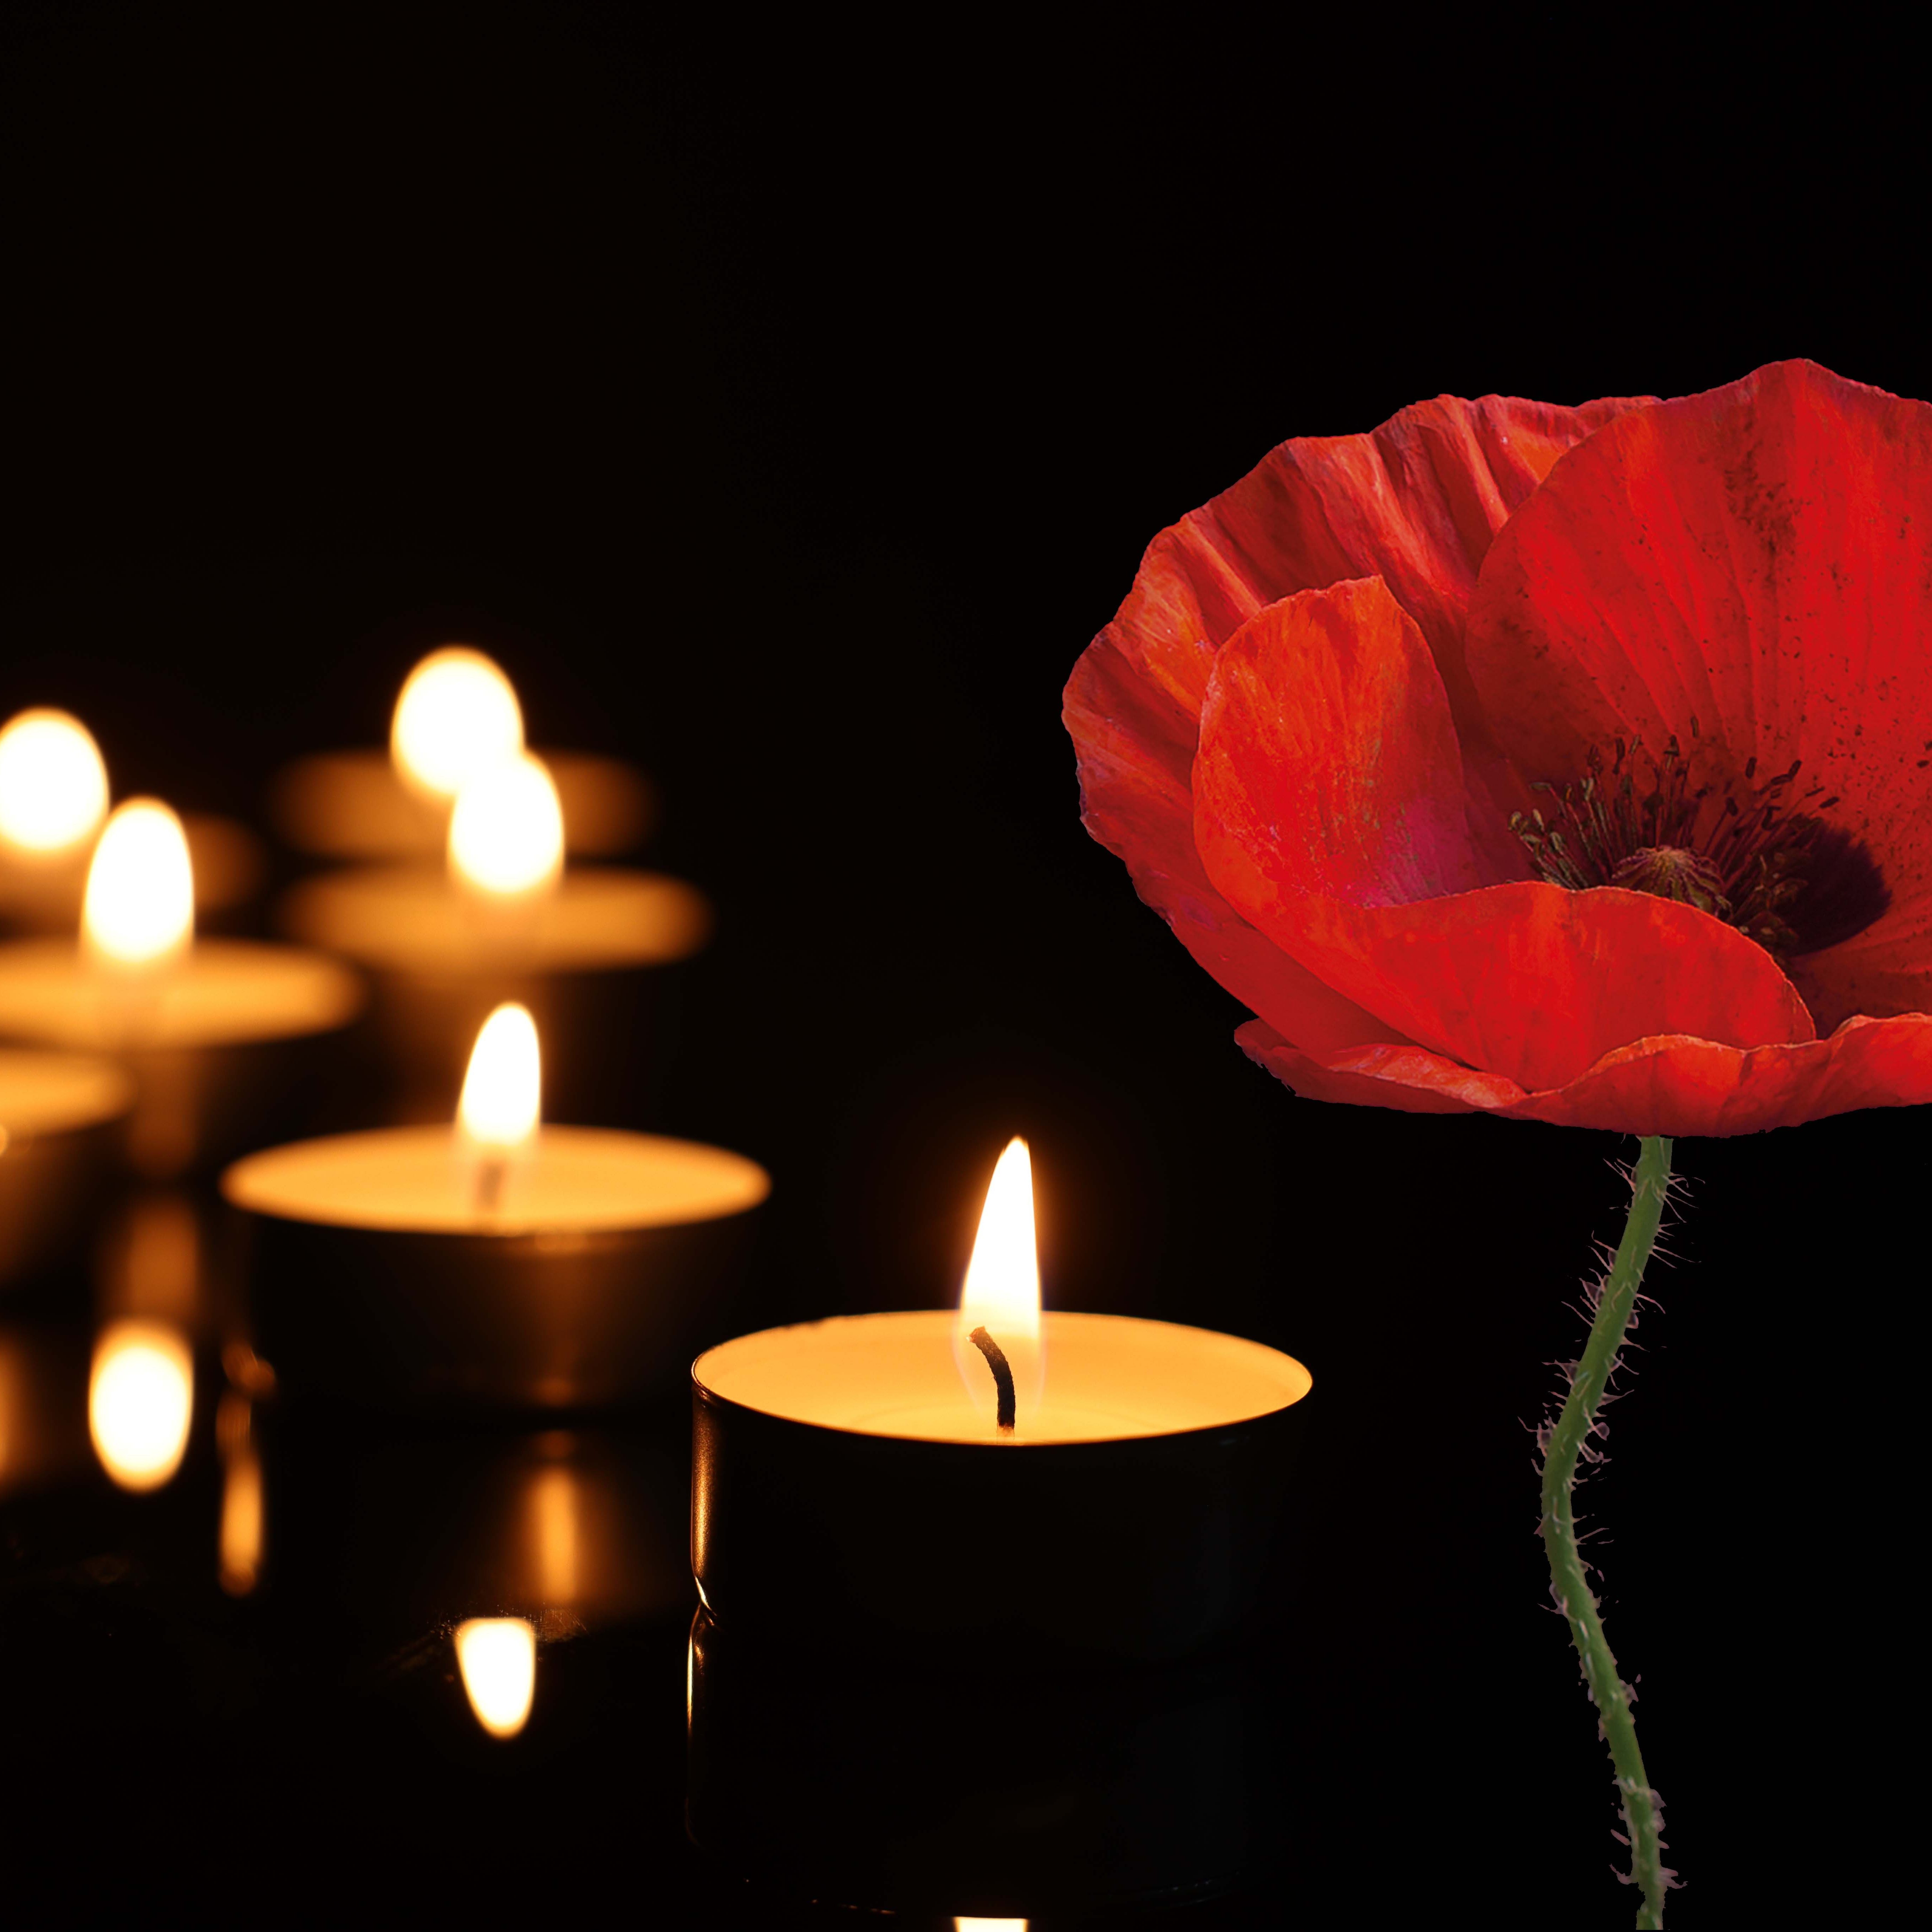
column 150, row 1263
column 242, row 1513
column 140, row 1400
column 498, row 1658
column 555, row 1507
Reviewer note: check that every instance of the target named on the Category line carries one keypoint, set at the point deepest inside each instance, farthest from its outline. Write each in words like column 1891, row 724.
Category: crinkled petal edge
column 1674, row 1084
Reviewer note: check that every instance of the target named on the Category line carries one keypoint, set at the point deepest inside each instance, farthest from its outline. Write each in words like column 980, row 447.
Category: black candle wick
column 1002, row 1373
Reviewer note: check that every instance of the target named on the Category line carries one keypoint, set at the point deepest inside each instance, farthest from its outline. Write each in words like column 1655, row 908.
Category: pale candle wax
column 56, row 1092
column 421, row 1179
column 1109, row 1377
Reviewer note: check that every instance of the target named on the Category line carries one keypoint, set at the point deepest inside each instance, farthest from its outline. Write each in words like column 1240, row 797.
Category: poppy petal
column 1327, row 752
column 1137, row 806
column 1323, row 794
column 1674, row 1085
column 1753, row 566
column 1683, row 1086
column 1417, row 500
column 1407, row 1079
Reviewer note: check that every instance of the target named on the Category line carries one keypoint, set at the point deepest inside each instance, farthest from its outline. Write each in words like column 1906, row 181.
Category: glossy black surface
column 786, row 405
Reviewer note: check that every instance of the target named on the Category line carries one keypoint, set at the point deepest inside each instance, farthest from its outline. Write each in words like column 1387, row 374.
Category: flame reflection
column 242, row 1514
column 498, row 1658
column 140, row 1400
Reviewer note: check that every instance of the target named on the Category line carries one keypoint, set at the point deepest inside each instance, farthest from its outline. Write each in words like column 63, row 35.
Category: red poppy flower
column 1570, row 764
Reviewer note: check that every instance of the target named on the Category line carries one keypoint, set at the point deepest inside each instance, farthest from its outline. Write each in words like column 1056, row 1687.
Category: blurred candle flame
column 501, row 1091
column 498, row 1658
column 140, row 1400
column 139, row 907
column 506, row 833
column 53, row 786
column 1002, row 1289
column 457, row 715
column 989, row 1925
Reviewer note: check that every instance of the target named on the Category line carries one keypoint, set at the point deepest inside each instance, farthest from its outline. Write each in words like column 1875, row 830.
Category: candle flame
column 501, row 1091
column 989, row 1925
column 139, row 907
column 506, row 833
column 140, row 1400
column 53, row 786
column 498, row 1658
column 1003, row 1278
column 457, row 716
column 1002, row 1289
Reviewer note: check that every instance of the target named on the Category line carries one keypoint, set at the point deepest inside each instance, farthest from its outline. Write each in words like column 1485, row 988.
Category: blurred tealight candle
column 53, row 797
column 140, row 1401
column 503, row 920
column 457, row 717
column 198, row 1024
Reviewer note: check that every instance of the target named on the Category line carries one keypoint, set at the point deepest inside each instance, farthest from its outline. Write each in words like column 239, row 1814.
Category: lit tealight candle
column 201, row 1025
column 1125, row 1504
column 457, row 716
column 491, row 1260
column 53, row 797
column 502, row 920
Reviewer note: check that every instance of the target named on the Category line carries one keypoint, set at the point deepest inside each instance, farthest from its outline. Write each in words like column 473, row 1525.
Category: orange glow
column 506, row 833
column 457, row 715
column 139, row 908
column 241, row 1505
column 554, row 1523
column 140, row 1400
column 498, row 1658
column 1002, row 1289
column 989, row 1925
column 53, row 786
column 503, row 1090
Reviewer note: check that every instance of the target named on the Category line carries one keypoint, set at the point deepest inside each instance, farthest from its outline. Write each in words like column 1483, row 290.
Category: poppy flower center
column 1766, row 862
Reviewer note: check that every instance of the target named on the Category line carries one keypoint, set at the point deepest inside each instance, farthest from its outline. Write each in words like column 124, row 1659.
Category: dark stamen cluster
column 1769, row 865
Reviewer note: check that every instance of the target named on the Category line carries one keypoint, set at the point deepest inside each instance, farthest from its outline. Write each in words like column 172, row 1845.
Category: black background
column 785, row 408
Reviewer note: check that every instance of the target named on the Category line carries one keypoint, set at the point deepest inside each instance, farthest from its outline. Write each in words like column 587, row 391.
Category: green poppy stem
column 1569, row 1581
